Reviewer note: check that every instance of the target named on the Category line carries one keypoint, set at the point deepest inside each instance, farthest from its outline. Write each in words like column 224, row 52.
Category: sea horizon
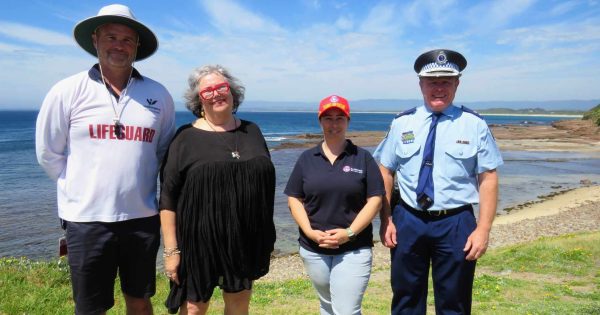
column 391, row 112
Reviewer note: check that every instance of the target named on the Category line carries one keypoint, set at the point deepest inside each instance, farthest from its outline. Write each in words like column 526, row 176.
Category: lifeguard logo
column 128, row 133
column 347, row 169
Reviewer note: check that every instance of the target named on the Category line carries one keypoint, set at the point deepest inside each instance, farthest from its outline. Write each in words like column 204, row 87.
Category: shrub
column 593, row 115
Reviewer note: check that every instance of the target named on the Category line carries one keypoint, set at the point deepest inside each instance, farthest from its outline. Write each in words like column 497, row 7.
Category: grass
column 558, row 275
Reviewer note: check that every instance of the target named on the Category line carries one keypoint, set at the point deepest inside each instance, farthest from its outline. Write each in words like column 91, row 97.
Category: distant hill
column 380, row 105
column 568, row 105
column 530, row 111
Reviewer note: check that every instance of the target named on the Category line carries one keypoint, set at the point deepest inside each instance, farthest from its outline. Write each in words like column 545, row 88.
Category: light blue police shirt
column 464, row 148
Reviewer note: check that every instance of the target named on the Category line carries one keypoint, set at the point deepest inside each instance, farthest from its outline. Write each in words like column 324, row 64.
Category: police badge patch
column 408, row 137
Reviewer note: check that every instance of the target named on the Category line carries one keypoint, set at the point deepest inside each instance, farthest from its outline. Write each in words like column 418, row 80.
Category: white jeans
column 340, row 280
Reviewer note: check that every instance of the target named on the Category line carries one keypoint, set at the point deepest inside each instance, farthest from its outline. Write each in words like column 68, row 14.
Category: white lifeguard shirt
column 99, row 175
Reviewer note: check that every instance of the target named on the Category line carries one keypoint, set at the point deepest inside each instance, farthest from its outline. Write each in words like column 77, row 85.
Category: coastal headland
column 571, row 211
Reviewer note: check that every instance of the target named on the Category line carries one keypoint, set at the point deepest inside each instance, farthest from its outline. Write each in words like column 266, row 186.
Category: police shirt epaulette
column 470, row 111
column 406, row 112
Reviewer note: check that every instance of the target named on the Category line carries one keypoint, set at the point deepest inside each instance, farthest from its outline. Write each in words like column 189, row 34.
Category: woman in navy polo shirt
column 334, row 192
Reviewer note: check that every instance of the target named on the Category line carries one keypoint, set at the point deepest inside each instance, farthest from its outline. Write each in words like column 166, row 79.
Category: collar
column 94, row 73
column 350, row 149
column 450, row 111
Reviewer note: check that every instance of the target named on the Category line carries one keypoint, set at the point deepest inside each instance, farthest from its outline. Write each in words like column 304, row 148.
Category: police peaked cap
column 440, row 63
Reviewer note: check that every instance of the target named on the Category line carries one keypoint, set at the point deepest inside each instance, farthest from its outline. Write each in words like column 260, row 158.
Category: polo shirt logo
column 152, row 106
column 347, row 169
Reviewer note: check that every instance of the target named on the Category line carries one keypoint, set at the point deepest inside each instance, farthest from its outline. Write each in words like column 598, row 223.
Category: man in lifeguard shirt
column 101, row 134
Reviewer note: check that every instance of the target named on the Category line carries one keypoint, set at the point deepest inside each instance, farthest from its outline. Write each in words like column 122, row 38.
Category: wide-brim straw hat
column 119, row 14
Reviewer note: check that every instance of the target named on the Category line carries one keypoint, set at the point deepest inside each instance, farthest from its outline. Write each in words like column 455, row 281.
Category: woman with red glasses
column 217, row 194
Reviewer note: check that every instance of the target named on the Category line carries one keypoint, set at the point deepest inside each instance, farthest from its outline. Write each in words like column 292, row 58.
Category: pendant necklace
column 234, row 152
column 117, row 116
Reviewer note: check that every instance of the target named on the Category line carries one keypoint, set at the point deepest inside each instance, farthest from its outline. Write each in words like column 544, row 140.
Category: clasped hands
column 330, row 238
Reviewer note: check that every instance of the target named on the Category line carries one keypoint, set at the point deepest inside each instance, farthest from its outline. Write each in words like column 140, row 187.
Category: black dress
column 224, row 209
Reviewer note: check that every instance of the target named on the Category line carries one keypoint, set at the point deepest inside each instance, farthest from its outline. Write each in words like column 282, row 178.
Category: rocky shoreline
column 569, row 211
column 564, row 135
column 574, row 211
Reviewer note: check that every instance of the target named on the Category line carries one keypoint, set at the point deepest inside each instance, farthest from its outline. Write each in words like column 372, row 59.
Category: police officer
column 445, row 159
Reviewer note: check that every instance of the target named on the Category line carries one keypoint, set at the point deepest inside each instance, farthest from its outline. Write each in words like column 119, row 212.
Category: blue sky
column 304, row 50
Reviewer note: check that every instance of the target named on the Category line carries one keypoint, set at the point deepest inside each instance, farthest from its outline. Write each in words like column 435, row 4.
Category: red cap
column 334, row 101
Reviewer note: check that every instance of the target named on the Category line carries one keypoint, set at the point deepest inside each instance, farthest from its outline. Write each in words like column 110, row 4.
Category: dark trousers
column 439, row 241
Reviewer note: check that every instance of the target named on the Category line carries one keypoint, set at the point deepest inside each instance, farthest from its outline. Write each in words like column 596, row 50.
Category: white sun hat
column 119, row 14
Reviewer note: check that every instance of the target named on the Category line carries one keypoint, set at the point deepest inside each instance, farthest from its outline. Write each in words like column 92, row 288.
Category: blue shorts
column 97, row 250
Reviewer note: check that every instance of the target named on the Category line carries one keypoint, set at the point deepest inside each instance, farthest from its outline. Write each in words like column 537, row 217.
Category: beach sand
column 553, row 205
column 572, row 211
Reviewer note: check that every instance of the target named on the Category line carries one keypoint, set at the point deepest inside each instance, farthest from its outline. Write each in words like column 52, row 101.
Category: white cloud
column 313, row 4
column 412, row 14
column 552, row 35
column 229, row 17
column 295, row 64
column 504, row 10
column 563, row 7
column 381, row 19
column 33, row 35
column 187, row 44
column 9, row 48
column 175, row 22
column 357, row 54
column 30, row 78
column 344, row 23
column 534, row 74
column 485, row 18
column 440, row 12
column 340, row 4
column 435, row 12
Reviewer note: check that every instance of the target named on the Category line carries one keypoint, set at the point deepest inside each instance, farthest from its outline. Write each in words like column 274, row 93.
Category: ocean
column 29, row 226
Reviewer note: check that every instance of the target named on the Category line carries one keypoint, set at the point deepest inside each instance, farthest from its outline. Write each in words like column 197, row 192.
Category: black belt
column 435, row 213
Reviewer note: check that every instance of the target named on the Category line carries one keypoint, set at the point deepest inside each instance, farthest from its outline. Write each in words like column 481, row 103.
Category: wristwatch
column 351, row 235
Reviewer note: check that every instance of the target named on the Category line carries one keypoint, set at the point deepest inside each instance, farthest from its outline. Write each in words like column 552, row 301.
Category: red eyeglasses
column 209, row 92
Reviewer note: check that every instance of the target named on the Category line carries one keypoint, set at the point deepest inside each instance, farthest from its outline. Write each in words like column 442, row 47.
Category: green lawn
column 549, row 276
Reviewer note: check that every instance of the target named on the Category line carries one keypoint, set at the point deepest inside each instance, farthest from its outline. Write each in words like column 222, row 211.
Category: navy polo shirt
column 334, row 194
